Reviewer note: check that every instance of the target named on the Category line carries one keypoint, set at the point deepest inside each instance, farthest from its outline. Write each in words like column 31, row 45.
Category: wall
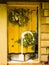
column 44, row 32
column 3, row 34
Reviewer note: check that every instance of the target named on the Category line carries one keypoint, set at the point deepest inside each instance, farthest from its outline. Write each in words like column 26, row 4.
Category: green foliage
column 19, row 16
column 28, row 40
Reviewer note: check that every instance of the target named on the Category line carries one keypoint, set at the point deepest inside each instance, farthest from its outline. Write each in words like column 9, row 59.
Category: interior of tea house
column 24, row 33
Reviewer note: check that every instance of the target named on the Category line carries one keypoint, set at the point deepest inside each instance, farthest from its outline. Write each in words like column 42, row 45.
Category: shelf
column 45, row 9
column 45, row 24
column 44, row 16
column 44, row 46
column 44, row 39
column 45, row 12
column 44, row 54
column 45, row 32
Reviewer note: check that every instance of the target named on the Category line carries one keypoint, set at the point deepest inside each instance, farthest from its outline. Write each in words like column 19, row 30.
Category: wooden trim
column 23, row 3
column 3, row 34
column 23, row 64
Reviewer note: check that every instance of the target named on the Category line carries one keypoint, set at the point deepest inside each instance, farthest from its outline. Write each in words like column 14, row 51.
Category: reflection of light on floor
column 30, row 60
column 21, row 57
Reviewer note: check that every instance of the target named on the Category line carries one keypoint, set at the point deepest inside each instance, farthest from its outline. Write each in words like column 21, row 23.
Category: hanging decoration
column 28, row 40
column 19, row 16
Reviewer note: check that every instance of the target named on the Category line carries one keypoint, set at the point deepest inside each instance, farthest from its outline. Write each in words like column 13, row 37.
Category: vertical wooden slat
column 3, row 34
column 39, row 20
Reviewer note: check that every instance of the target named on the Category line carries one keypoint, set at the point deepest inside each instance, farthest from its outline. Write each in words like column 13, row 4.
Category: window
column 22, row 33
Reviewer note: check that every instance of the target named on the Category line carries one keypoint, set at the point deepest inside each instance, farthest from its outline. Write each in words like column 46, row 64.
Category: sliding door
column 22, row 32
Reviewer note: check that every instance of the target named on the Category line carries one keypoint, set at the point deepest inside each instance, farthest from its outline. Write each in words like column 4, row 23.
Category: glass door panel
column 22, row 33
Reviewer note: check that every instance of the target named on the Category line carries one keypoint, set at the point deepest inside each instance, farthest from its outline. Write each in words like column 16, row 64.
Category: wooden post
column 3, row 34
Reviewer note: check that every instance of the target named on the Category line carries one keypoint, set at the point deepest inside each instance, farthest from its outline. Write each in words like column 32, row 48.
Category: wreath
column 28, row 40
column 19, row 16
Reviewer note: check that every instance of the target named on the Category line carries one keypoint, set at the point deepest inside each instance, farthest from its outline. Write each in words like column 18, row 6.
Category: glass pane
column 22, row 34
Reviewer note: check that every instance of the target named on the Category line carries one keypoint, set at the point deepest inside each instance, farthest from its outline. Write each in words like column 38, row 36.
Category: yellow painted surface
column 14, row 32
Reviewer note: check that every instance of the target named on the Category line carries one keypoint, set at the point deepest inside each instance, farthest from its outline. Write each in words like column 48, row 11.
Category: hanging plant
column 19, row 16
column 28, row 40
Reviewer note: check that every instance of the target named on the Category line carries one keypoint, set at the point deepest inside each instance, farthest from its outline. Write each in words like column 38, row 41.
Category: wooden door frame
column 30, row 4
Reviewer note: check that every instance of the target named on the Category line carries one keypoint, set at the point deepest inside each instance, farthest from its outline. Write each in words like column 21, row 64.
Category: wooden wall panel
column 45, row 36
column 44, row 20
column 44, row 43
column 44, row 57
column 43, row 52
column 3, row 34
column 44, row 28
